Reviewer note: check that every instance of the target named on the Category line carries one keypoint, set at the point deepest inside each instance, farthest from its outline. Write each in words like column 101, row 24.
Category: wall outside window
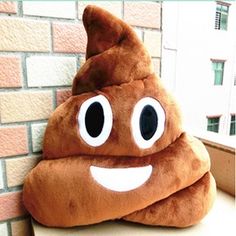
column 190, row 45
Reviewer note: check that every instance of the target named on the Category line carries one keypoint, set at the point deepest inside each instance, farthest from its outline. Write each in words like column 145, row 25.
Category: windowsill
column 222, row 153
column 218, row 221
column 222, row 141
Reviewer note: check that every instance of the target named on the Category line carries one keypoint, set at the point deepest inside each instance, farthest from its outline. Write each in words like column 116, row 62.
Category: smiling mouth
column 121, row 179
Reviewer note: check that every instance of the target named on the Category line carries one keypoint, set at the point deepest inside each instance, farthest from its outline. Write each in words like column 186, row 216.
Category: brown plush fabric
column 114, row 53
column 183, row 208
column 63, row 123
column 61, row 191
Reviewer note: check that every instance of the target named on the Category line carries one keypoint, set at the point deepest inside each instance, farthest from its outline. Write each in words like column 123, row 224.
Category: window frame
column 214, row 71
column 232, row 122
column 213, row 117
column 222, row 155
column 219, row 14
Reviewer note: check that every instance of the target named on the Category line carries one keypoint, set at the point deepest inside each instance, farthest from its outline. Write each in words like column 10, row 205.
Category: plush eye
column 95, row 120
column 147, row 122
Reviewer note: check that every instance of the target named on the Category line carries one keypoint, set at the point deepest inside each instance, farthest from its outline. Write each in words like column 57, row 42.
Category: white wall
column 189, row 42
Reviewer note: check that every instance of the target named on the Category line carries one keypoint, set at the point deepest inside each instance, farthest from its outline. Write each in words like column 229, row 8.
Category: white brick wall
column 50, row 71
column 37, row 136
column 16, row 175
column 3, row 229
column 25, row 106
column 152, row 41
column 51, row 9
column 18, row 34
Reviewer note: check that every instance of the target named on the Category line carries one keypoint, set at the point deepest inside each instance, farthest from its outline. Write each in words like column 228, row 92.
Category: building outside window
column 218, row 68
column 221, row 18
column 232, row 125
column 213, row 124
column 209, row 110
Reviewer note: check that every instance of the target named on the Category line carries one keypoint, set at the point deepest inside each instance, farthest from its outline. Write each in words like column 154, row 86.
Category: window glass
column 218, row 78
column 218, row 68
column 223, row 22
column 232, row 125
column 224, row 9
column 213, row 124
column 218, row 7
column 221, row 17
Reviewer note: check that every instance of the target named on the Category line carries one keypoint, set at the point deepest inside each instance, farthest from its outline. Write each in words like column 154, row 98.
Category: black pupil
column 94, row 119
column 148, row 122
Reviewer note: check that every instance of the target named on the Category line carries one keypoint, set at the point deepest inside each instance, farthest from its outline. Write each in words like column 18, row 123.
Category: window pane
column 213, row 124
column 214, row 65
column 221, row 17
column 213, row 128
column 218, row 78
column 209, row 122
column 223, row 22
column 225, row 9
column 218, row 7
column 216, row 128
column 213, row 120
column 232, row 129
column 209, row 128
column 232, row 125
column 218, row 65
column 218, row 68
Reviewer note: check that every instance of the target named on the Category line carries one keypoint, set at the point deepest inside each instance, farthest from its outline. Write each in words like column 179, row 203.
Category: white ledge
column 219, row 221
column 218, row 140
column 222, row 153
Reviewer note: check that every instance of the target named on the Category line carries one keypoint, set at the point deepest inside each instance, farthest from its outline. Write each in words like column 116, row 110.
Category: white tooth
column 121, row 179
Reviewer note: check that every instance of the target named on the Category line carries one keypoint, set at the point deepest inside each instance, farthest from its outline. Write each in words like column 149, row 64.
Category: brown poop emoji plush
column 116, row 149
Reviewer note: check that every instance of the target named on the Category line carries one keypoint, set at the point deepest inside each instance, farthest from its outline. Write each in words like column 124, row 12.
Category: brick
column 145, row 14
column 37, row 136
column 18, row 168
column 50, row 71
column 8, row 7
column 50, row 8
column 25, row 106
column 21, row 227
column 114, row 8
column 1, row 177
column 156, row 65
column 152, row 41
column 24, row 35
column 13, row 141
column 10, row 72
column 62, row 95
column 69, row 38
column 11, row 205
column 3, row 229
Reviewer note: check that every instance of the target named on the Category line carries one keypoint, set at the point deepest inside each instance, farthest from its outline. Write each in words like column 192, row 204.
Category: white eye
column 147, row 122
column 95, row 120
